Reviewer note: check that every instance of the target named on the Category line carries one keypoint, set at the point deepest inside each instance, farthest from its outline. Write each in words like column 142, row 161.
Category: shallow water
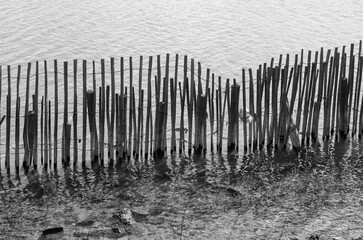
column 282, row 195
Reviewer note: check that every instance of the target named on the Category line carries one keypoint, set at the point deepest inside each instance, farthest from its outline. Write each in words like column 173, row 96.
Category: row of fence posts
column 282, row 102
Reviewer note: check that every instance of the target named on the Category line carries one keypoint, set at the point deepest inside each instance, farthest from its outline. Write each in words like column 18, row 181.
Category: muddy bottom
column 187, row 202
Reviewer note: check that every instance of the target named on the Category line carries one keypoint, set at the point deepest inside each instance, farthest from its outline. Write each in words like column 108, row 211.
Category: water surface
column 278, row 195
column 223, row 35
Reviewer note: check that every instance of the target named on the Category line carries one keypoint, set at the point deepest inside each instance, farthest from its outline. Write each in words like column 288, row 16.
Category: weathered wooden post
column 75, row 114
column 91, row 102
column 140, row 120
column 67, row 145
column 55, row 151
column 200, row 116
column 191, row 103
column 244, row 113
column 211, row 113
column 8, row 123
column 17, row 122
column 84, row 114
column 102, row 108
column 65, row 115
column 159, row 148
column 42, row 131
column 8, row 127
column 173, row 88
column 49, row 132
column 108, row 121
column 117, row 126
column 46, row 117
column 343, row 109
column 26, row 161
column 31, row 140
column 233, row 123
column 130, row 110
column 252, row 124
column 148, row 112
column 182, row 90
column 112, row 126
column 35, row 109
column 125, row 152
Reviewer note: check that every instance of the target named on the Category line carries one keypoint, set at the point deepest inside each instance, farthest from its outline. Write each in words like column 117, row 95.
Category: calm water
column 225, row 35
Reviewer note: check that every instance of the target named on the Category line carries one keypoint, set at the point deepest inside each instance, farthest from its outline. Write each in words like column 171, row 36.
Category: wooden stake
column 220, row 120
column 112, row 126
column 343, row 109
column 102, row 113
column 65, row 161
column 84, row 113
column 166, row 100
column 191, row 107
column 17, row 122
column 8, row 123
column 31, row 135
column 211, row 113
column 350, row 84
column 67, row 150
column 46, row 117
column 130, row 110
column 101, row 146
column 91, row 102
column 140, row 109
column 75, row 114
column 35, row 108
column 135, row 149
column 267, row 80
column 50, row 132
column 42, row 131
column 253, row 135
column 122, row 111
column 182, row 97
column 233, row 119
column 148, row 111
column 173, row 88
column 108, row 121
column 244, row 112
column 55, row 151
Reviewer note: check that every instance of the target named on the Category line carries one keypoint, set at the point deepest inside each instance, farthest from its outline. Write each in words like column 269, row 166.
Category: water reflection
column 341, row 158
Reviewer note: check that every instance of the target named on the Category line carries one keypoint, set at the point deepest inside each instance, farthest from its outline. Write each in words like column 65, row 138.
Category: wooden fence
column 157, row 109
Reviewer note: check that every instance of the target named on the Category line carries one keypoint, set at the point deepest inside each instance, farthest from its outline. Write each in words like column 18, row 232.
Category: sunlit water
column 225, row 36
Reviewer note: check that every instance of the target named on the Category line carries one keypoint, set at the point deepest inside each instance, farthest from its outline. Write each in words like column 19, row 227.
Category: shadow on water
column 200, row 163
column 214, row 168
column 341, row 155
column 162, row 170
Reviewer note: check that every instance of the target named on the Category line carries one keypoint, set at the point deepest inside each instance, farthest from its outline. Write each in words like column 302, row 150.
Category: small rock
column 52, row 230
column 124, row 216
column 116, row 230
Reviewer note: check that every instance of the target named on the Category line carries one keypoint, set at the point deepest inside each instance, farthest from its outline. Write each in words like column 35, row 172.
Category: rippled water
column 283, row 195
column 223, row 35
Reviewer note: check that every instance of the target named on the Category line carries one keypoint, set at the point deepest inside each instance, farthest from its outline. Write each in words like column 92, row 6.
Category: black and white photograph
column 181, row 119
